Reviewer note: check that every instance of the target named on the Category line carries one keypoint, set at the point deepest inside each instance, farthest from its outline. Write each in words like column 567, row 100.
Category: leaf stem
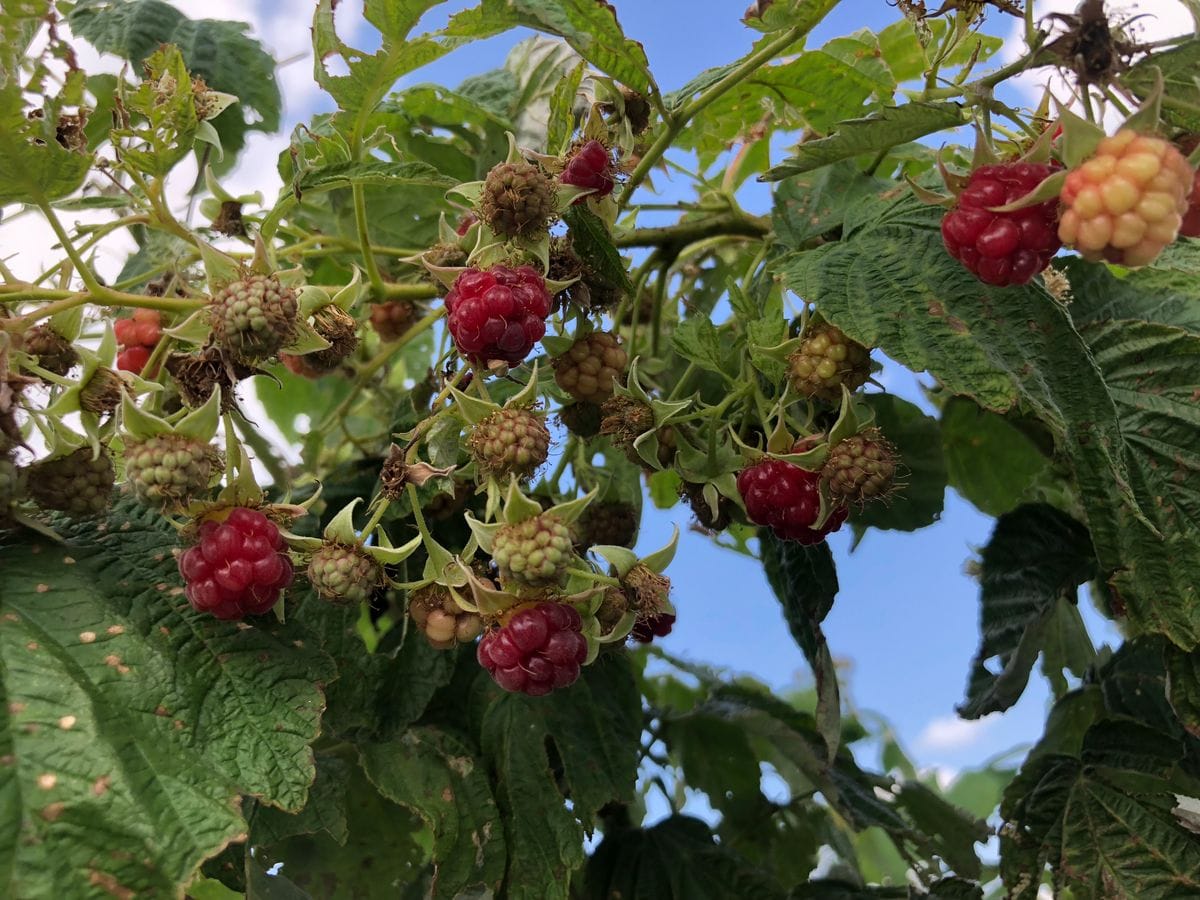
column 364, row 240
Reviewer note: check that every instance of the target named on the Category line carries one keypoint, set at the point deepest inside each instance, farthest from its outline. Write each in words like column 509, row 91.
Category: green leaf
column 890, row 284
column 325, row 810
column 1178, row 65
column 135, row 721
column 955, row 831
column 591, row 28
column 1167, row 292
column 918, row 499
column 439, row 779
column 384, row 855
column 1102, row 820
column 781, row 14
column 696, row 340
column 34, row 166
column 989, row 461
column 804, row 579
column 908, row 59
column 814, row 203
column 219, row 52
column 676, row 859
column 875, row 133
column 590, row 730
column 1036, row 556
column 591, row 240
column 1183, row 687
column 1153, row 372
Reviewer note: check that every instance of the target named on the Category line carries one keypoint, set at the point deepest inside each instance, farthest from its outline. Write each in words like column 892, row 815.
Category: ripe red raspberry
column 646, row 630
column 133, row 359
column 540, row 649
column 590, row 167
column 1127, row 202
column 787, row 499
column 1190, row 227
column 498, row 313
column 1003, row 248
column 238, row 567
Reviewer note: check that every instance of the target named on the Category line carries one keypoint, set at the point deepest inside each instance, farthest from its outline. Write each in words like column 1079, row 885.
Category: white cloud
column 947, row 734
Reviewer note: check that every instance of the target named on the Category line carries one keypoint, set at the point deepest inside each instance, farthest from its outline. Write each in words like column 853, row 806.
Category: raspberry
column 465, row 223
column 646, row 630
column 861, row 468
column 76, row 484
column 625, row 420
column 590, row 167
column 254, row 317
column 1003, row 248
column 1190, row 227
column 238, row 567
column 517, row 200
column 787, row 499
column 337, row 327
column 142, row 330
column 392, row 318
column 169, row 470
column 343, row 574
column 53, row 351
column 826, row 360
column 693, row 496
column 534, row 553
column 498, row 313
column 510, row 442
column 590, row 369
column 612, row 523
column 582, row 419
column 540, row 649
column 1127, row 202
column 133, row 359
column 443, row 622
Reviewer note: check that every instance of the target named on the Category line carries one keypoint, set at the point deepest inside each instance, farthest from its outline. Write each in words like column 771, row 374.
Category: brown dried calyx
column 1093, row 47
column 198, row 374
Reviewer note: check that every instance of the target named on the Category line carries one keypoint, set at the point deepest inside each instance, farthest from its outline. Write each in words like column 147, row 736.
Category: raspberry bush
column 326, row 508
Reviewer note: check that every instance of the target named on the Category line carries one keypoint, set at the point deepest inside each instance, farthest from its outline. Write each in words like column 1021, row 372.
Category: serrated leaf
column 811, row 204
column 858, row 137
column 439, row 778
column 1036, row 556
column 136, row 720
column 34, row 166
column 1167, row 292
column 989, row 461
column 696, row 340
column 325, row 810
column 919, row 495
column 592, row 727
column 591, row 240
column 1178, row 66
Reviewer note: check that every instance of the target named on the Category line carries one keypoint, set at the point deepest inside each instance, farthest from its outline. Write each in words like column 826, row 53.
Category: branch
column 678, row 236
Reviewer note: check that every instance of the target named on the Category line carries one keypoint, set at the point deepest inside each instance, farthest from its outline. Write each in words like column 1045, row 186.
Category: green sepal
column 527, row 396
column 1080, row 138
column 646, row 446
column 848, row 421
column 658, row 561
column 68, row 322
column 340, row 529
column 220, row 268
column 622, row 559
column 931, row 198
column 295, row 277
column 385, row 554
column 195, row 329
column 484, row 532
column 472, row 410
column 619, row 632
column 140, row 424
column 633, row 385
column 698, row 465
column 222, row 195
column 781, row 352
column 350, row 294
column 517, row 507
column 201, row 423
column 305, row 339
column 470, row 191
column 566, row 195
column 309, row 299
column 1049, row 188
column 206, row 134
column 571, row 510
column 489, row 601
column 558, row 344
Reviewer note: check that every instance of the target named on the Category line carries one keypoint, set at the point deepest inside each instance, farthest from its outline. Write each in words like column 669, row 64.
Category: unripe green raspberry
column 861, row 468
column 518, row 200
column 826, row 360
column 440, row 619
column 254, row 317
column 1127, row 202
column 169, row 470
column 590, row 369
column 75, row 484
column 611, row 523
column 510, row 442
column 535, row 553
column 53, row 351
column 343, row 574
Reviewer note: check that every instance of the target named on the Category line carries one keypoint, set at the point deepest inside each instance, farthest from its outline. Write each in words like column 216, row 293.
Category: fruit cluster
column 498, row 313
column 137, row 337
column 238, row 567
column 540, row 648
